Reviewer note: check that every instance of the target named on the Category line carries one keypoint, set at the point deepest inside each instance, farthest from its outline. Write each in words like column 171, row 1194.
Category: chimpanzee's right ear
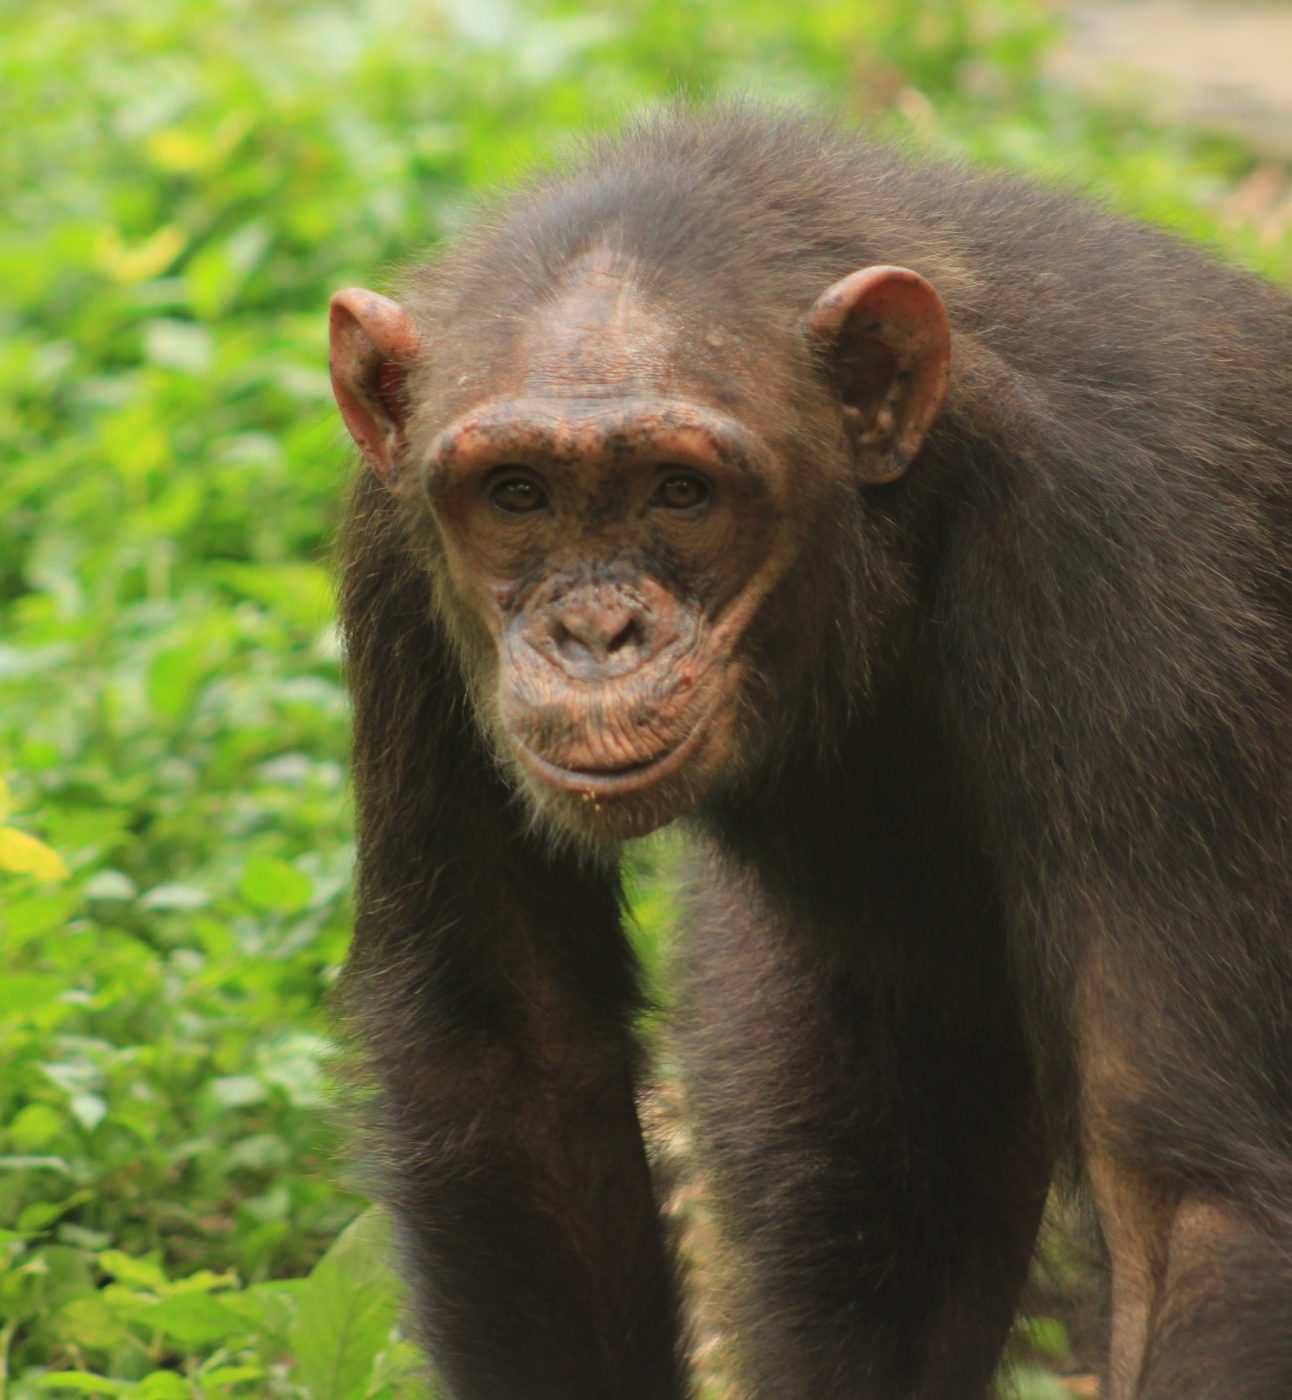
column 373, row 343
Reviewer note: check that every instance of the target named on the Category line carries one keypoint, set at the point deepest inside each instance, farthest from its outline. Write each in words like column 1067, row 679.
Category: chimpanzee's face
column 614, row 503
column 614, row 535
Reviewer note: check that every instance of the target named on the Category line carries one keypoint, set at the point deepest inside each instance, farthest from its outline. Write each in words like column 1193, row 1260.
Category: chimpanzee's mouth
column 611, row 782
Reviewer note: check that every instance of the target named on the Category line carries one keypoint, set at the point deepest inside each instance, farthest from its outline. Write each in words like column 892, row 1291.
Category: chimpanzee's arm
column 494, row 990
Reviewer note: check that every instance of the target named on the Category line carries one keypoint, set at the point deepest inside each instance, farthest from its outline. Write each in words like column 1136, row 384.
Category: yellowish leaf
column 24, row 855
column 141, row 261
column 178, row 150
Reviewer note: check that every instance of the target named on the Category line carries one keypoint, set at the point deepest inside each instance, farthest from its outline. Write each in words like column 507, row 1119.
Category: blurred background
column 182, row 183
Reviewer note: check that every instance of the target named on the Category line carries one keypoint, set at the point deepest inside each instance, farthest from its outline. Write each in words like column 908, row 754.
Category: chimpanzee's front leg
column 511, row 1151
column 494, row 990
column 875, row 1149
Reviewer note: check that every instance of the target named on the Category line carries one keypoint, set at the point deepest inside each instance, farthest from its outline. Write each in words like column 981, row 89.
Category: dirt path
column 1224, row 64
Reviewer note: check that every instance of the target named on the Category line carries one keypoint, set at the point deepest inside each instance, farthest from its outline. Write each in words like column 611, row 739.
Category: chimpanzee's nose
column 600, row 631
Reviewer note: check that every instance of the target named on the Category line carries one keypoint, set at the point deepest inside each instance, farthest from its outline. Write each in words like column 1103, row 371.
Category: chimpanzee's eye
column 518, row 495
column 681, row 491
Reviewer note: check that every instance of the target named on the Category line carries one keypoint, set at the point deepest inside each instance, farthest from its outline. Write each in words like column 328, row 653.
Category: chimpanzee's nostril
column 629, row 635
column 567, row 643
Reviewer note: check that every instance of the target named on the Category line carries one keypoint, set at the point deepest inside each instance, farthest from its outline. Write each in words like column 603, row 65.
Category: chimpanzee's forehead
column 608, row 328
column 597, row 336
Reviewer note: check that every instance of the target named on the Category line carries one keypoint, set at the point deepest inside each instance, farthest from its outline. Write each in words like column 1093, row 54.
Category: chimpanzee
column 923, row 540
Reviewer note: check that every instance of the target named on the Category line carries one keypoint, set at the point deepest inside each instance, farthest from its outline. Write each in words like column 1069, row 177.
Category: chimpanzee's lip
column 611, row 782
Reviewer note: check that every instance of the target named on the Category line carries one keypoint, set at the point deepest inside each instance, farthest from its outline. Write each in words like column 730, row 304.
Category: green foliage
column 337, row 1327
column 184, row 183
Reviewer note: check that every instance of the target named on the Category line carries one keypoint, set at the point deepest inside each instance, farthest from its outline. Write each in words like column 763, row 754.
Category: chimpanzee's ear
column 373, row 342
column 884, row 334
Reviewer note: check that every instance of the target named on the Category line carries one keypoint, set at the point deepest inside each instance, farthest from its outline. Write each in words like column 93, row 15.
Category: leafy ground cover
column 184, row 182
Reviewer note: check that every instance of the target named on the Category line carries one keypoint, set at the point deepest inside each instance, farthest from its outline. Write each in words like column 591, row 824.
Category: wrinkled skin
column 616, row 615
column 614, row 534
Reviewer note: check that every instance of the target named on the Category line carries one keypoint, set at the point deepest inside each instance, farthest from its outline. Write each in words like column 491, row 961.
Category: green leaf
column 93, row 1323
column 89, row 1110
column 269, row 883
column 35, row 1127
column 218, row 271
column 164, row 1385
column 38, row 914
column 346, row 1312
column 40, row 1215
column 226, row 1377
column 302, row 593
column 238, row 1090
column 173, row 680
column 83, row 1383
column 1047, row 1335
column 57, row 1275
column 401, row 1371
column 179, row 345
column 193, row 1319
column 142, row 1273
column 24, row 1162
column 175, row 897
column 109, row 885
column 269, row 1308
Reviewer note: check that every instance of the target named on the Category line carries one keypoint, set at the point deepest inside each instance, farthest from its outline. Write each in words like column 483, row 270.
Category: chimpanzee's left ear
column 373, row 342
column 884, row 334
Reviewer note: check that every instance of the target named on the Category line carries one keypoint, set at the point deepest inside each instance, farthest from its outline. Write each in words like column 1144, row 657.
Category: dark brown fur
column 1000, row 877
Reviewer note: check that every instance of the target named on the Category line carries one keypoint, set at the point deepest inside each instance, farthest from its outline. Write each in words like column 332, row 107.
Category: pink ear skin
column 373, row 342
column 886, row 334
